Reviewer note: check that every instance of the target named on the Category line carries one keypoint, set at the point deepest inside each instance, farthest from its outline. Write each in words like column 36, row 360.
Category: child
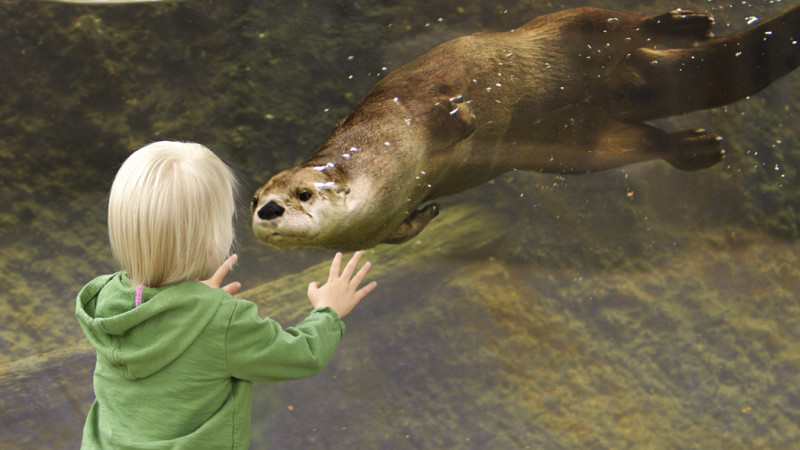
column 176, row 357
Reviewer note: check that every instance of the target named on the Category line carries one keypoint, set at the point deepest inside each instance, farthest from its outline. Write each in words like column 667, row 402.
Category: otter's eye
column 304, row 196
column 254, row 203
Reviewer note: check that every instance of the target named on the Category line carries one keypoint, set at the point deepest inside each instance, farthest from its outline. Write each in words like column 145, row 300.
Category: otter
column 568, row 93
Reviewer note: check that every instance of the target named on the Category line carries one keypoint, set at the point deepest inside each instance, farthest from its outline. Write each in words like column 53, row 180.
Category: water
column 640, row 307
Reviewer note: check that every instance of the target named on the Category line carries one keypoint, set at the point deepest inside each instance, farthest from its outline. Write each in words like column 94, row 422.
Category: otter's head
column 296, row 206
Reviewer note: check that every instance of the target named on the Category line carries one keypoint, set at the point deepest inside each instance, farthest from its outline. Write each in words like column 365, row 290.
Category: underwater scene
column 636, row 307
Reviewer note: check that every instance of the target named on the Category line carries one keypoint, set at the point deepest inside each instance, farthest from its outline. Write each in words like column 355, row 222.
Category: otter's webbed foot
column 694, row 149
column 679, row 27
column 413, row 224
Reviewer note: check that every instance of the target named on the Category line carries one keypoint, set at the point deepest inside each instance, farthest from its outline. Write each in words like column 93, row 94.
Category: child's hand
column 341, row 292
column 216, row 280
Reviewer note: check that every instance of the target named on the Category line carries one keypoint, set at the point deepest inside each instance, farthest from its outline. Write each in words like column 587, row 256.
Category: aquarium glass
column 638, row 307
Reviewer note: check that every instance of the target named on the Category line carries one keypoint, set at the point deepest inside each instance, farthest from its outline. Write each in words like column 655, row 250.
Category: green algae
column 696, row 351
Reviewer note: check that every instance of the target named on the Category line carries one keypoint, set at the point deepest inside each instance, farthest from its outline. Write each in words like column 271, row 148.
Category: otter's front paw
column 415, row 222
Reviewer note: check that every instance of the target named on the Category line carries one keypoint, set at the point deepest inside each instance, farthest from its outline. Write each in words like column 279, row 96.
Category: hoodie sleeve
column 259, row 349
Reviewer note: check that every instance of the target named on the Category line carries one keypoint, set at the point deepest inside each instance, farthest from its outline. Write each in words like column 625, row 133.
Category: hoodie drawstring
column 138, row 297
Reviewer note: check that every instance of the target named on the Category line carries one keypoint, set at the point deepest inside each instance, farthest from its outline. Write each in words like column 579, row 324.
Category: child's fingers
column 226, row 267
column 351, row 266
column 230, row 261
column 232, row 288
column 336, row 264
column 361, row 293
column 222, row 271
column 359, row 277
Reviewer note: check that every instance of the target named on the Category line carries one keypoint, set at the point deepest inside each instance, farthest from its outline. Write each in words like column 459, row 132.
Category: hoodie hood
column 141, row 340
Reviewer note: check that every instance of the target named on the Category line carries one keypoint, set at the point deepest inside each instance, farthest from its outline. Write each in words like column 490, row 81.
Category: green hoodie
column 177, row 371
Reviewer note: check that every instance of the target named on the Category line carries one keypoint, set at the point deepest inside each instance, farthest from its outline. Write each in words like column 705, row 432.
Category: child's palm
column 341, row 291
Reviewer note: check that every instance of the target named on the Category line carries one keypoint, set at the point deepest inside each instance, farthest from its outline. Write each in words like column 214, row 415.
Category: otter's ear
column 333, row 190
column 341, row 189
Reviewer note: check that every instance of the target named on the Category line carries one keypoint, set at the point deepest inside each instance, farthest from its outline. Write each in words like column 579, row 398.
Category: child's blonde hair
column 170, row 213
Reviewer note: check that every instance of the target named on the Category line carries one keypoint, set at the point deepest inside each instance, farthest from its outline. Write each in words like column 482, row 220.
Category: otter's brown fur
column 566, row 93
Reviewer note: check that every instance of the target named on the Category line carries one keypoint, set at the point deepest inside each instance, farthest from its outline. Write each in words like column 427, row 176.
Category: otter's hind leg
column 413, row 224
column 679, row 27
column 571, row 142
column 654, row 83
column 689, row 149
column 692, row 149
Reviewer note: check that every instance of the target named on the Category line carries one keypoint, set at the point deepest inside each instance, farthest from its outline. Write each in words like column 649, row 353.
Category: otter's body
column 566, row 93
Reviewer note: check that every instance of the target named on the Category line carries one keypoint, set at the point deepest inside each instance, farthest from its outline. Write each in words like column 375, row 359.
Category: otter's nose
column 270, row 211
